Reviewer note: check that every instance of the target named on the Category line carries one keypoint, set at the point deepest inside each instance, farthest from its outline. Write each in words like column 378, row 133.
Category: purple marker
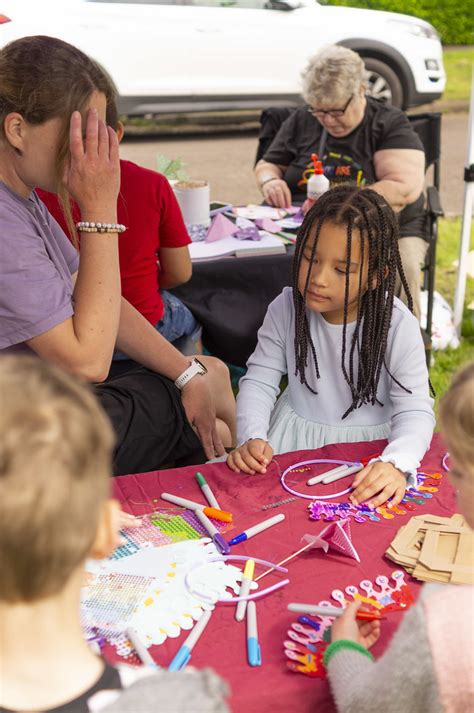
column 220, row 543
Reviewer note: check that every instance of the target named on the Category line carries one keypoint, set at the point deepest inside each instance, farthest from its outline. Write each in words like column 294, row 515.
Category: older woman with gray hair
column 358, row 139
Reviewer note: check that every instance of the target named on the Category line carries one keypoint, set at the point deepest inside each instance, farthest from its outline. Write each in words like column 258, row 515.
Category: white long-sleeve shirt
column 409, row 415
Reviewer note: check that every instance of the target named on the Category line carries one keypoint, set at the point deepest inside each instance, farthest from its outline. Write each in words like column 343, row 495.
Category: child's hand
column 251, row 457
column 348, row 628
column 380, row 479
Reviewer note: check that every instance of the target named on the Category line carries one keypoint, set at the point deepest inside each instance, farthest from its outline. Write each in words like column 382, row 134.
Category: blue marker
column 183, row 654
column 246, row 534
column 253, row 647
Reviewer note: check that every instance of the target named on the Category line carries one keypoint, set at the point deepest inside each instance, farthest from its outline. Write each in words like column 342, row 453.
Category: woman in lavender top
column 66, row 307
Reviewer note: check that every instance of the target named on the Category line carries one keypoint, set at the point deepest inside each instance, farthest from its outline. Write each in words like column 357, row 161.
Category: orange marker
column 221, row 515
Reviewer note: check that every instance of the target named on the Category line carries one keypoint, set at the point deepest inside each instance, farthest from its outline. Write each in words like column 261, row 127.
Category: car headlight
column 414, row 28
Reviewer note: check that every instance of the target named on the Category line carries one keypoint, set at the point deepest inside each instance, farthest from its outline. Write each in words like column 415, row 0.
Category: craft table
column 229, row 296
column 272, row 688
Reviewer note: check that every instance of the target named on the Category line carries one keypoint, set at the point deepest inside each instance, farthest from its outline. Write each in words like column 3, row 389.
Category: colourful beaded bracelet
column 342, row 644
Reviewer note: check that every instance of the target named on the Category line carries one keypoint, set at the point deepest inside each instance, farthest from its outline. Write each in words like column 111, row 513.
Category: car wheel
column 383, row 83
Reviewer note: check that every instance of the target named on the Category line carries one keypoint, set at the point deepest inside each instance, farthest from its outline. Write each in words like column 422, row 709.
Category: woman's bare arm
column 84, row 343
column 400, row 175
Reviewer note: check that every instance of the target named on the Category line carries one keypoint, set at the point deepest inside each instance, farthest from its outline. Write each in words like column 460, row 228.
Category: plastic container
column 318, row 183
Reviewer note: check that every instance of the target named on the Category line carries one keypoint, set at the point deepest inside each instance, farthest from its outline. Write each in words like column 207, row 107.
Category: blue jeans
column 178, row 325
column 177, row 321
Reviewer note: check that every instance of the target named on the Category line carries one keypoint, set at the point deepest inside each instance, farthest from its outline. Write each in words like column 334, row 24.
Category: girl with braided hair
column 352, row 351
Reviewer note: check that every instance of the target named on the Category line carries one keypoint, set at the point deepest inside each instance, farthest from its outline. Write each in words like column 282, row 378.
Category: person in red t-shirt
column 154, row 252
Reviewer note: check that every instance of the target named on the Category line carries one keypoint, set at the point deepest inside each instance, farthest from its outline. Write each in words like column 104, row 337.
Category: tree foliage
column 453, row 19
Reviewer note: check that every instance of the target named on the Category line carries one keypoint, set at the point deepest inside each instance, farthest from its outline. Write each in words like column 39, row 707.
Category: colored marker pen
column 191, row 505
column 253, row 647
column 338, row 476
column 245, row 589
column 208, row 494
column 251, row 531
column 142, row 652
column 183, row 654
column 320, row 478
column 336, row 612
column 221, row 544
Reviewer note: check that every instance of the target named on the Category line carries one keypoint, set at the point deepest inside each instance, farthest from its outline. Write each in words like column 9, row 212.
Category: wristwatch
column 195, row 367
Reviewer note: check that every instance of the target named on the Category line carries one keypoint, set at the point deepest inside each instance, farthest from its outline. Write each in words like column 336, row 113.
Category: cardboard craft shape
column 447, row 557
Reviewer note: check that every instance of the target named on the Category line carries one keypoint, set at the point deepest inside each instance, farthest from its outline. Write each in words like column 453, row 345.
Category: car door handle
column 207, row 30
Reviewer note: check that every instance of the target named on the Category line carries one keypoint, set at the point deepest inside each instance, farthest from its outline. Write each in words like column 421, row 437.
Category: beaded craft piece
column 164, row 527
column 427, row 486
column 308, row 637
column 143, row 580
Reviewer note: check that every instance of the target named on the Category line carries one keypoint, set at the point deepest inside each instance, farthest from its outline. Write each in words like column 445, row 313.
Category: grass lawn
column 458, row 62
column 446, row 362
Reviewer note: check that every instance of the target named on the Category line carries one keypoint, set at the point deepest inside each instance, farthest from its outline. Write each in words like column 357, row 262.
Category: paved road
column 227, row 161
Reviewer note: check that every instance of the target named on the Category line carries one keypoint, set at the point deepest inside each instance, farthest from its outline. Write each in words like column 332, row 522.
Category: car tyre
column 383, row 83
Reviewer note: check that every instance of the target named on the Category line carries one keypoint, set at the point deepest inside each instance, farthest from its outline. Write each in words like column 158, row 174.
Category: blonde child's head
column 456, row 413
column 345, row 266
column 55, row 462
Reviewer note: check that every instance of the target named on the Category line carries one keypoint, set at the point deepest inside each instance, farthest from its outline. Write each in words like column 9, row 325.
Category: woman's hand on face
column 277, row 193
column 251, row 457
column 347, row 628
column 92, row 175
column 198, row 404
column 381, row 480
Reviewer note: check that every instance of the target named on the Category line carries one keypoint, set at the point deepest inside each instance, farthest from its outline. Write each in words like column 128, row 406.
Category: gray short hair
column 332, row 75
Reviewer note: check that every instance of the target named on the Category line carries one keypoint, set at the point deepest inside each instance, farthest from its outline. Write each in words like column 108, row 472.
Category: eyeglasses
column 335, row 113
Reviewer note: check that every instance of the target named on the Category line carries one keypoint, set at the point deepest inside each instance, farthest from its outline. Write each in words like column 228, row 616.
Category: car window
column 245, row 4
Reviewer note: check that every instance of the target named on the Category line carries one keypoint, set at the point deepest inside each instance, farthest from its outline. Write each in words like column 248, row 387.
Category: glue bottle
column 318, row 183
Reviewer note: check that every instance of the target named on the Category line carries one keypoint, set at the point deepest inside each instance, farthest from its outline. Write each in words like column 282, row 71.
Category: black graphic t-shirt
column 347, row 158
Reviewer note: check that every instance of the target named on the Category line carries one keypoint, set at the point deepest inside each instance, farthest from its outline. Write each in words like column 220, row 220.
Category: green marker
column 208, row 494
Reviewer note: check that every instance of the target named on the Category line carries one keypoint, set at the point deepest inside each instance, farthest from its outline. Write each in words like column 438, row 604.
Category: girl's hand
column 92, row 175
column 277, row 193
column 251, row 457
column 365, row 633
column 380, row 479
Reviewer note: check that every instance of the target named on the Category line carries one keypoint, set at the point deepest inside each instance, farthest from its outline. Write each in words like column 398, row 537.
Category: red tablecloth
column 272, row 687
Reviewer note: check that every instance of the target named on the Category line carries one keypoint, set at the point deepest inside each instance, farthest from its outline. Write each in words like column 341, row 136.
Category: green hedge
column 452, row 18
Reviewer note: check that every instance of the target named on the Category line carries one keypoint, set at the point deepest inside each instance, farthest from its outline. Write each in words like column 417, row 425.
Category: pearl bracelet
column 86, row 226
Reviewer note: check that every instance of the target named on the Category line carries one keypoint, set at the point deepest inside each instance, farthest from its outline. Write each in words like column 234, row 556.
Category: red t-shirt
column 148, row 207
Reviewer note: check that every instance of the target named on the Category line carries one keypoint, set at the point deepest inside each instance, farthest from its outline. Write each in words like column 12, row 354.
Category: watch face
column 204, row 369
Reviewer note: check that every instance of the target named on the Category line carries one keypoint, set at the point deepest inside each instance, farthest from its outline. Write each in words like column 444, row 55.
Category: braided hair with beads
column 366, row 213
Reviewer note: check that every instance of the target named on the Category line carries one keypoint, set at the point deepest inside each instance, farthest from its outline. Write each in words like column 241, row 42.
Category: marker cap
column 249, row 569
column 200, row 479
column 221, row 544
column 180, row 660
column 221, row 515
column 239, row 538
column 253, row 652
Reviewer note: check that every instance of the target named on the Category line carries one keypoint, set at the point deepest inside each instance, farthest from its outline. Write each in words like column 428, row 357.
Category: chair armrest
column 434, row 202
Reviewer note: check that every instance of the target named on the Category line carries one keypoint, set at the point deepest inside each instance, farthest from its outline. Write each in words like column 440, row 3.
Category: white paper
column 167, row 607
column 255, row 212
column 229, row 245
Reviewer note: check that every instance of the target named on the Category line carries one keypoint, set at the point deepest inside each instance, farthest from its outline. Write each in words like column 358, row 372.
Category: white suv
column 197, row 55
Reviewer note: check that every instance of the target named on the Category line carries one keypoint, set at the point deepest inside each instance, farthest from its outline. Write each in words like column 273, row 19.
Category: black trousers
column 149, row 421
